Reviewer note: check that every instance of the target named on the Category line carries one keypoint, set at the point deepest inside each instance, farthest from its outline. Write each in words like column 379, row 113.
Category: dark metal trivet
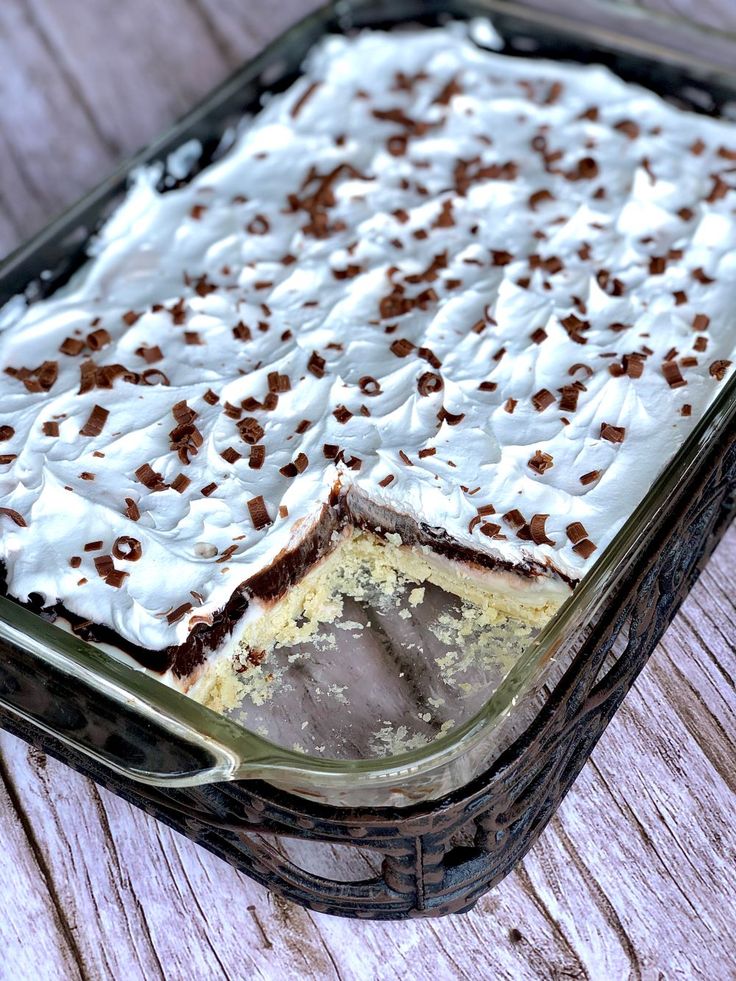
column 425, row 872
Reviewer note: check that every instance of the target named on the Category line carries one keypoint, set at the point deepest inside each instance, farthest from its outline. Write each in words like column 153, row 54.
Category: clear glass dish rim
column 242, row 754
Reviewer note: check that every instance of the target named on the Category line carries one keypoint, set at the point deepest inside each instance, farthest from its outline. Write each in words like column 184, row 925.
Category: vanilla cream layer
column 417, row 242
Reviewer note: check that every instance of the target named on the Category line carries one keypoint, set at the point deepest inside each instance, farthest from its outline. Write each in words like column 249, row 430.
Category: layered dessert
column 435, row 312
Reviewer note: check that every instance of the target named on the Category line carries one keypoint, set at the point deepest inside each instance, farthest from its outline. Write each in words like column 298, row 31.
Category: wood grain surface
column 635, row 876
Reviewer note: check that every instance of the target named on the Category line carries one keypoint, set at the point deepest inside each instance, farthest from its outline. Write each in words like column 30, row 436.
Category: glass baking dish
column 154, row 735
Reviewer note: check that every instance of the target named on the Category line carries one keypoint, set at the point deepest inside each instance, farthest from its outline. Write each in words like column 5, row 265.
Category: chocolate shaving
column 152, row 376
column 428, row 355
column 614, row 434
column 242, row 332
column 509, row 405
column 514, row 518
column 258, row 225
column 490, row 529
column 342, row 414
column 230, row 455
column 385, row 481
column 569, row 398
column 701, row 322
column 537, row 532
column 585, row 548
column 208, row 490
column 541, row 462
column 469, row 172
column 401, row 347
column 150, row 478
column 576, row 532
column 405, row 458
column 303, row 98
column 104, row 565
column 718, row 369
column 185, row 438
column 149, row 354
column 96, row 422
column 538, row 197
column 127, row 548
column 71, row 346
column 633, row 364
column 427, row 451
column 36, row 380
column 591, row 477
column 657, row 265
column 330, row 451
column 14, row 516
column 98, row 339
column 178, row 613
column 131, row 509
column 180, row 483
column 429, row 383
column 258, row 513
column 6, row 433
column 628, row 127
column 542, row 399
column 256, row 458
column 672, row 374
column 574, row 327
column 116, row 578
column 316, row 365
column 278, row 383
column 585, row 169
column 230, row 550
column 451, row 418
column 487, row 386
column 251, row 431
column 50, row 428
column 719, row 190
column 93, row 546
column 369, row 385
column 701, row 276
column 501, row 258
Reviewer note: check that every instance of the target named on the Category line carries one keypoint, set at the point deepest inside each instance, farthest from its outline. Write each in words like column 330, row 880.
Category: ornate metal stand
column 440, row 857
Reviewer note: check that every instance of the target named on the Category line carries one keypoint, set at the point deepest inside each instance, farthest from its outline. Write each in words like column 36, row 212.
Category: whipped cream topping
column 492, row 293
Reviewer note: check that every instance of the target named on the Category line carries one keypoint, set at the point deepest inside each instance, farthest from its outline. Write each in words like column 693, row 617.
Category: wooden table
column 634, row 877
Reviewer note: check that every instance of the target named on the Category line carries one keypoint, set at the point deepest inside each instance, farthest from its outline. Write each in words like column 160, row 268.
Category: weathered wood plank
column 50, row 949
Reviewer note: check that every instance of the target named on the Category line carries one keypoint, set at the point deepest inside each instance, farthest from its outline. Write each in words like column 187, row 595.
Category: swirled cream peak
column 492, row 293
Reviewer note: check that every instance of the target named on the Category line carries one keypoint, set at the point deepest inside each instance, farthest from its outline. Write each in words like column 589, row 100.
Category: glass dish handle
column 55, row 682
